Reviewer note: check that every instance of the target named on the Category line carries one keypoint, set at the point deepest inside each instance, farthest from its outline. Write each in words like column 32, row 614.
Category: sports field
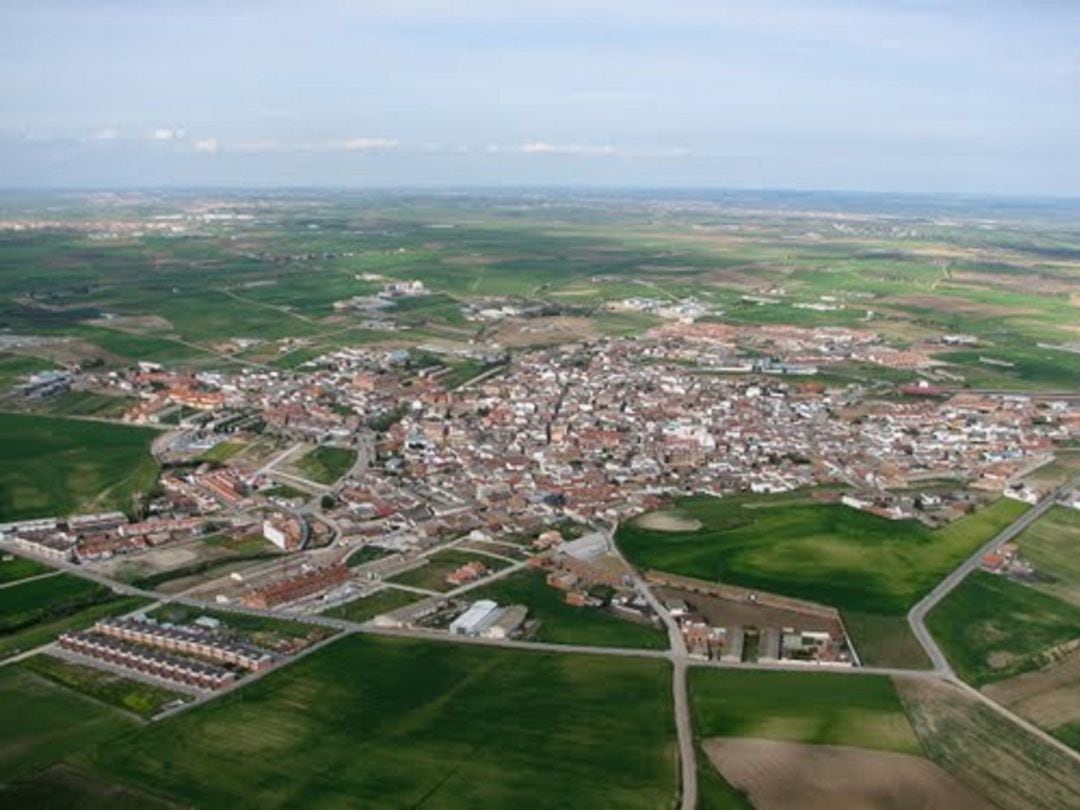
column 398, row 723
column 826, row 553
column 992, row 628
column 53, row 466
column 561, row 623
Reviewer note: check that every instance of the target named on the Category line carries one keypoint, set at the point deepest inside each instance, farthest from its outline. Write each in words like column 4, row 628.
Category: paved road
column 917, row 615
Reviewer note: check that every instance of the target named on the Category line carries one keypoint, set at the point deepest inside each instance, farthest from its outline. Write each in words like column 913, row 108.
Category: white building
column 480, row 615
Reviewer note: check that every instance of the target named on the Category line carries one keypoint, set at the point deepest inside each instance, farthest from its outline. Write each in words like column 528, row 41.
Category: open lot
column 368, row 607
column 826, row 553
column 987, row 752
column 403, row 730
column 992, row 628
column 134, row 696
column 326, row 464
column 432, row 575
column 1049, row 698
column 52, row 466
column 561, row 623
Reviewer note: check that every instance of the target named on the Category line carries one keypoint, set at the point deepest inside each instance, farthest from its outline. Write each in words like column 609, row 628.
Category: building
column 191, row 641
column 508, row 623
column 297, row 587
column 285, row 532
column 474, row 621
column 124, row 654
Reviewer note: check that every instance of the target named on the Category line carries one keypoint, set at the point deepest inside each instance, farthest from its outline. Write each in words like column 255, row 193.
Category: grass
column 13, row 568
column 326, row 464
column 432, row 575
column 826, row 553
column 53, row 466
column 34, row 613
column 89, row 403
column 44, row 722
column 368, row 607
column 138, row 697
column 366, row 554
column 421, row 723
column 885, row 641
column 561, row 623
column 992, row 628
column 814, row 707
column 1051, row 544
column 222, row 452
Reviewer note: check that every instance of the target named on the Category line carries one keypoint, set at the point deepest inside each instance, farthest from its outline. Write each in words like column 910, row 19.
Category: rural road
column 917, row 615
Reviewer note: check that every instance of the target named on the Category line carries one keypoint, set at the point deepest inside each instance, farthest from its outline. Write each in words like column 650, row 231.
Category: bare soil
column 1048, row 698
column 784, row 776
column 666, row 521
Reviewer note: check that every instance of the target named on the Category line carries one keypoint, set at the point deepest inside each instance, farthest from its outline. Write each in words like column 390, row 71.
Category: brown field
column 667, row 521
column 1049, row 698
column 986, row 751
column 785, row 775
column 544, row 331
column 959, row 306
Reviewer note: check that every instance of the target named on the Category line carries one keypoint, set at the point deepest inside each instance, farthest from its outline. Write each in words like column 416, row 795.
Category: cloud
column 545, row 148
column 366, row 144
column 167, row 134
column 107, row 134
column 208, row 146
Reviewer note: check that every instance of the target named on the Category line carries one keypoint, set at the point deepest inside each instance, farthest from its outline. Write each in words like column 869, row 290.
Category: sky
column 977, row 96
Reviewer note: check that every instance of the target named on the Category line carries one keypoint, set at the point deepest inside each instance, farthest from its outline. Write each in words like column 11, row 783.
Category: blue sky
column 901, row 95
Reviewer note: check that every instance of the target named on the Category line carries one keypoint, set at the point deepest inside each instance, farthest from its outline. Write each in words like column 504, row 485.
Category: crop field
column 814, row 707
column 134, row 696
column 34, row 613
column 14, row 568
column 326, row 464
column 827, row 553
column 44, row 722
column 401, row 730
column 1052, row 545
column 368, row 607
column 986, row 751
column 1049, row 698
column 432, row 575
column 992, row 628
column 53, row 466
column 884, row 641
column 561, row 623
column 14, row 366
column 171, row 300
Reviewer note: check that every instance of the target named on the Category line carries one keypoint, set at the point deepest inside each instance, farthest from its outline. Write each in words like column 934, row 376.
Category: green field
column 134, row 696
column 992, row 628
column 885, row 641
column 815, row 707
column 222, row 452
column 52, row 466
column 432, row 575
column 34, row 613
column 1052, row 545
column 418, row 723
column 326, row 464
column 44, row 722
column 368, row 607
column 826, row 553
column 14, row 568
column 561, row 623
